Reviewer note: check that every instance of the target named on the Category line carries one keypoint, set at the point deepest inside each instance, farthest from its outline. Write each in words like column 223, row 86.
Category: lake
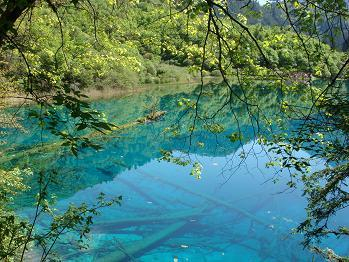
column 239, row 210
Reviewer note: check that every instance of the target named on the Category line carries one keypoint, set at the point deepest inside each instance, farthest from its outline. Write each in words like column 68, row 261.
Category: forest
column 100, row 100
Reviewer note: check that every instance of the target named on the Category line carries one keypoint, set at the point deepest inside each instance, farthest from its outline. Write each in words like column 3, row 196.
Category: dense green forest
column 132, row 44
column 274, row 74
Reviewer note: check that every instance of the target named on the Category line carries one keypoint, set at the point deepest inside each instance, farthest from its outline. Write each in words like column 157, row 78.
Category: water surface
column 235, row 212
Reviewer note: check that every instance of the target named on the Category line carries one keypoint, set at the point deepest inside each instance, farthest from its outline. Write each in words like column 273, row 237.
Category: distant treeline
column 134, row 42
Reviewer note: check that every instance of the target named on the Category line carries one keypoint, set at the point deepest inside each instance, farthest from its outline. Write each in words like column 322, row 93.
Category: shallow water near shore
column 235, row 212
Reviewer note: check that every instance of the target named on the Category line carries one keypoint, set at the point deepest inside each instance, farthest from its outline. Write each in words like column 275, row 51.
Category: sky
column 262, row 2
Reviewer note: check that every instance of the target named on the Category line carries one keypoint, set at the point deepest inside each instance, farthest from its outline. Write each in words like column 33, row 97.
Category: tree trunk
column 13, row 10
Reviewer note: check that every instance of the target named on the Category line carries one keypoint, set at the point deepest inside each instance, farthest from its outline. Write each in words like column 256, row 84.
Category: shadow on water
column 229, row 215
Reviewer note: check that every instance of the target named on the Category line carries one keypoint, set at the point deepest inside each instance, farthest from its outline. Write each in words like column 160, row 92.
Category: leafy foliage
column 55, row 49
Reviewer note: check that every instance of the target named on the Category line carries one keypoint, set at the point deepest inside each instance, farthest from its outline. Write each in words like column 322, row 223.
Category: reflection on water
column 231, row 214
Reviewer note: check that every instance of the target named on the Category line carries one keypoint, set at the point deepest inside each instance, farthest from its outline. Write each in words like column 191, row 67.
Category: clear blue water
column 234, row 213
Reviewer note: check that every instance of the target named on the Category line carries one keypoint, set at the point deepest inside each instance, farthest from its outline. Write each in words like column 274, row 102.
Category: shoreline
column 110, row 93
column 94, row 94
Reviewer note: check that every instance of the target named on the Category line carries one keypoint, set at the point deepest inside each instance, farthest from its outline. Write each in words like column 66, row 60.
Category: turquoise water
column 235, row 212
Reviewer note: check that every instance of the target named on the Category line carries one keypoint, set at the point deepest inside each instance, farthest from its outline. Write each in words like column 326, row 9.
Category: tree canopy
column 53, row 51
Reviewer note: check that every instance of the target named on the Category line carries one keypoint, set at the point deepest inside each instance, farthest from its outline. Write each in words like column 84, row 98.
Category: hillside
column 133, row 43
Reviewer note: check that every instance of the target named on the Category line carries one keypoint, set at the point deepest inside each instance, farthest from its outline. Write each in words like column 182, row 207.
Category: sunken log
column 138, row 247
column 132, row 221
column 212, row 200
column 153, row 116
column 52, row 147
